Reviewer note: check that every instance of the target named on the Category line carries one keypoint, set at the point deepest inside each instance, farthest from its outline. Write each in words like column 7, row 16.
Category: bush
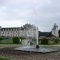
column 44, row 41
column 1, row 38
column 16, row 40
column 56, row 41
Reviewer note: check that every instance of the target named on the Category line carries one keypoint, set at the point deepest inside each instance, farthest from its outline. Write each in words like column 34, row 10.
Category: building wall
column 11, row 32
column 55, row 32
column 31, row 33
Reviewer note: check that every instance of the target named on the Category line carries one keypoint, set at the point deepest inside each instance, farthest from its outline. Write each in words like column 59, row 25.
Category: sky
column 41, row 13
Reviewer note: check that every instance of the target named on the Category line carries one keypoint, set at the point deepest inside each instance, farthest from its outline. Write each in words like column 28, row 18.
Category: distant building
column 18, row 31
column 55, row 30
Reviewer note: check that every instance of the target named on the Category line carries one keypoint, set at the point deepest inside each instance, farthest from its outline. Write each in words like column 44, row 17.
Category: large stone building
column 55, row 30
column 18, row 31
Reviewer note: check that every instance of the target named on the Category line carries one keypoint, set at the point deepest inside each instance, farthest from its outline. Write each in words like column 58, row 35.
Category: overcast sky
column 41, row 13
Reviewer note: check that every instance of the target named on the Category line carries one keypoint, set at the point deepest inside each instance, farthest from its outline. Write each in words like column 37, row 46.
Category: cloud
column 12, row 23
column 42, row 13
column 20, row 8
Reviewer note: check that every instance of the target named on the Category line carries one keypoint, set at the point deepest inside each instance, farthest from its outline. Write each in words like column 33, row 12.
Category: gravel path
column 20, row 55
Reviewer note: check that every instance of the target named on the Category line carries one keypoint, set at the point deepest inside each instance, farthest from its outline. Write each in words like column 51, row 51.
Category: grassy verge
column 6, row 41
column 9, row 45
column 4, row 58
column 50, row 46
column 18, row 45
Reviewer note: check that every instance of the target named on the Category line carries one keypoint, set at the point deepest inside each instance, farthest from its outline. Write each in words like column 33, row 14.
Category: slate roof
column 54, row 27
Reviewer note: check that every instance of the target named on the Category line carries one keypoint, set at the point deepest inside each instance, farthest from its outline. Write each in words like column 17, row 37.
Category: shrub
column 56, row 41
column 16, row 40
column 44, row 41
column 1, row 38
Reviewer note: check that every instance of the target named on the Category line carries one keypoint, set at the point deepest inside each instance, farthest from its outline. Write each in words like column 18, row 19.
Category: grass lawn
column 50, row 46
column 18, row 45
column 9, row 45
column 4, row 59
column 6, row 41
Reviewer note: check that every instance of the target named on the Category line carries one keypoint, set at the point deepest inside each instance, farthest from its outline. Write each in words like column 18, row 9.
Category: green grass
column 18, row 45
column 50, row 46
column 4, row 59
column 51, row 42
column 6, row 41
column 9, row 45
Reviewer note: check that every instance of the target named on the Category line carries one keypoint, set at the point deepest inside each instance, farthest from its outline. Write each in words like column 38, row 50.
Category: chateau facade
column 17, row 32
column 55, row 30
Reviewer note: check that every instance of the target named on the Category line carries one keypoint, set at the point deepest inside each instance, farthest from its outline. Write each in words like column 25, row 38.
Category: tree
column 47, row 34
column 50, row 34
column 16, row 40
column 44, row 41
